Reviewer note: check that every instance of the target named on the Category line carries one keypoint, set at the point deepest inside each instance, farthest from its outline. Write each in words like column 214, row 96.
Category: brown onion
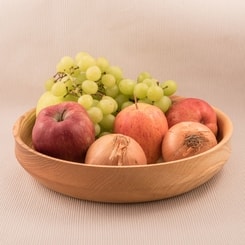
column 187, row 139
column 115, row 149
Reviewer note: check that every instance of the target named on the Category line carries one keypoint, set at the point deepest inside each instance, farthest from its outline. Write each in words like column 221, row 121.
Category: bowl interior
column 121, row 183
column 23, row 128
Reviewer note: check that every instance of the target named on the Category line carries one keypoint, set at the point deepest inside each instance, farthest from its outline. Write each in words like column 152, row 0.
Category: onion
column 115, row 149
column 187, row 139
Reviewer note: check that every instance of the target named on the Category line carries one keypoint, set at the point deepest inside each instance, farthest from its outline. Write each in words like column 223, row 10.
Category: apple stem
column 135, row 101
column 60, row 116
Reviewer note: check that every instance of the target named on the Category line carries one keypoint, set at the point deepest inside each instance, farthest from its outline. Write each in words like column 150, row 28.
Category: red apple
column 63, row 131
column 195, row 110
column 146, row 124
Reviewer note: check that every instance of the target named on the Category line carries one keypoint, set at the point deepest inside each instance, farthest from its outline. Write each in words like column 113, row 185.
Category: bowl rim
column 224, row 140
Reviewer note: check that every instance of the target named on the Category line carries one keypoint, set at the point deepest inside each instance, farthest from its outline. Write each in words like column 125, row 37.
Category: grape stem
column 76, row 89
column 59, row 75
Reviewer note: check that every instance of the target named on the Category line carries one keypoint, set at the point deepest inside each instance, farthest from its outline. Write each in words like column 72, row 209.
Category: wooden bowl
column 121, row 184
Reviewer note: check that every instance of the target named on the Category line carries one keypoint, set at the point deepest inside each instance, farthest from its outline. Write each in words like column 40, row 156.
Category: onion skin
column 186, row 139
column 115, row 150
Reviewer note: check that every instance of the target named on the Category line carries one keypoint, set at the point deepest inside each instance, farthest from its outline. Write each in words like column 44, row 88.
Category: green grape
column 47, row 99
column 59, row 89
column 164, row 103
column 126, row 104
column 97, row 129
column 140, row 90
column 49, row 84
column 79, row 78
column 95, row 114
column 65, row 64
column 69, row 97
column 86, row 100
column 154, row 93
column 69, row 84
column 102, row 90
column 115, row 71
column 93, row 73
column 120, row 99
column 145, row 100
column 106, row 106
column 112, row 101
column 108, row 80
column 107, row 122
column 169, row 87
column 75, row 71
column 113, row 91
column 89, row 87
column 126, row 86
column 80, row 55
column 149, row 82
column 85, row 61
column 142, row 76
column 95, row 102
column 102, row 63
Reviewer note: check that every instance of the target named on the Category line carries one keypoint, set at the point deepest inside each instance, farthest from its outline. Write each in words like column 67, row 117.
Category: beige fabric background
column 200, row 44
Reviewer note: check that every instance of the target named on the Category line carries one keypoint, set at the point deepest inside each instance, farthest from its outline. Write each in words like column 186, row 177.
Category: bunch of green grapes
column 102, row 89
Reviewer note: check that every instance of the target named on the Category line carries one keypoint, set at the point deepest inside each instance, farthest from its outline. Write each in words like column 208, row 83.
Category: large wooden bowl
column 121, row 184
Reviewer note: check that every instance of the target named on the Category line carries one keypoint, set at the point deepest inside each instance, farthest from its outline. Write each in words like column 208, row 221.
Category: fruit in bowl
column 145, row 123
column 195, row 110
column 185, row 139
column 64, row 131
column 89, row 100
column 121, row 184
